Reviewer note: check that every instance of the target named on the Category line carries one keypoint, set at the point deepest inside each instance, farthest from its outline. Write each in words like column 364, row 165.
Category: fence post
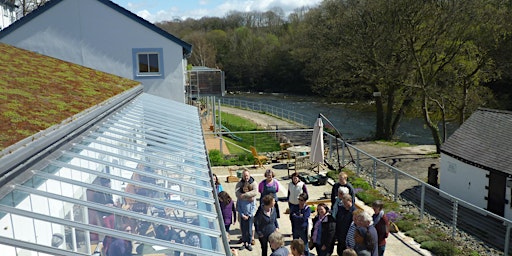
column 395, row 196
column 358, row 166
column 454, row 217
column 220, row 129
column 214, row 114
column 507, row 239
column 342, row 152
column 422, row 201
column 374, row 181
column 330, row 147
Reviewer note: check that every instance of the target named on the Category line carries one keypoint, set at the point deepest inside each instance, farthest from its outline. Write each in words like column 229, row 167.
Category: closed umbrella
column 317, row 143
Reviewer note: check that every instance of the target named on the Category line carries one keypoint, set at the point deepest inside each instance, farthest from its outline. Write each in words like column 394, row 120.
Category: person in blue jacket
column 300, row 221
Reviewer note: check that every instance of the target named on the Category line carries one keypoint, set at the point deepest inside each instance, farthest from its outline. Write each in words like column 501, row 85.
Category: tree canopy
column 436, row 59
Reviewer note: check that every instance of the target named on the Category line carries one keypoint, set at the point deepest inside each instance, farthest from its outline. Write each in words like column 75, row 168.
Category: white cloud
column 204, row 10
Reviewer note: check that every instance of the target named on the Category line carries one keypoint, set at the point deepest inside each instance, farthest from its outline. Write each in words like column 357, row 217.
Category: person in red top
column 381, row 223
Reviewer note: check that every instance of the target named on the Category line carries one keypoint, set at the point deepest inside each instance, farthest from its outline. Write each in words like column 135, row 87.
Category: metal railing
column 456, row 213
column 267, row 109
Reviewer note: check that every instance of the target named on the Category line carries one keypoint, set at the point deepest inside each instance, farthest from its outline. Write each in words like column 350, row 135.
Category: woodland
column 440, row 60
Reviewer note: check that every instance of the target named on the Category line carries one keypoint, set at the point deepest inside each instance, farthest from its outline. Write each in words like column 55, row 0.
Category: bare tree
column 27, row 6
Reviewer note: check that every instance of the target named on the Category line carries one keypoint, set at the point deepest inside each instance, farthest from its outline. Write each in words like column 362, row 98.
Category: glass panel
column 153, row 63
column 142, row 169
column 143, row 63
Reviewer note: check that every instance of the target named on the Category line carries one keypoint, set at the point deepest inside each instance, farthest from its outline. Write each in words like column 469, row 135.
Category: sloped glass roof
column 139, row 176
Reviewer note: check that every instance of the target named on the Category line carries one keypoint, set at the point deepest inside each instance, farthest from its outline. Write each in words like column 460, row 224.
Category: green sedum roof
column 37, row 91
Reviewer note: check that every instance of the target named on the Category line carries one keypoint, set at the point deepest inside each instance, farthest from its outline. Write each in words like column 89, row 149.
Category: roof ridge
column 187, row 48
column 501, row 111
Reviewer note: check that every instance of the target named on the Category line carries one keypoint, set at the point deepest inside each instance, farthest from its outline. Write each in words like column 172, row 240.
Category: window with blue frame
column 148, row 62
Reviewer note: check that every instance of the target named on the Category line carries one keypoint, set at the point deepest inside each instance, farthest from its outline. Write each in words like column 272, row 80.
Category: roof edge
column 187, row 48
column 25, row 19
column 495, row 111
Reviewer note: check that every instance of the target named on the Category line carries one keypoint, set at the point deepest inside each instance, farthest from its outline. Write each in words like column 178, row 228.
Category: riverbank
column 413, row 159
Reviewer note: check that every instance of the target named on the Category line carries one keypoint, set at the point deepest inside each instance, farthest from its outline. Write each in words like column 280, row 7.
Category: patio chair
column 258, row 159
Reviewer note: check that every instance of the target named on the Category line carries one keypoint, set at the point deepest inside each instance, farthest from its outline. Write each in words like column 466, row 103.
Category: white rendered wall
column 91, row 34
column 463, row 181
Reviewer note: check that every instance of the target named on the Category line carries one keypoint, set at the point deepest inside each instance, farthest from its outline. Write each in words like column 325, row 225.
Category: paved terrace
column 397, row 244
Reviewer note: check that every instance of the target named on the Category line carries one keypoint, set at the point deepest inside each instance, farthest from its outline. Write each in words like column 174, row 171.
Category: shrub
column 422, row 238
column 439, row 248
column 333, row 175
column 393, row 216
column 405, row 225
column 216, row 157
column 415, row 232
column 369, row 196
column 360, row 183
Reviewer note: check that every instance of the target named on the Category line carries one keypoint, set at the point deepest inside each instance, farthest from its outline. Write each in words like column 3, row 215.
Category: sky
column 164, row 10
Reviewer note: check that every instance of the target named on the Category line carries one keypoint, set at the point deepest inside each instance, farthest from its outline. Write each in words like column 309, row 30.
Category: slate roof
column 484, row 140
column 187, row 48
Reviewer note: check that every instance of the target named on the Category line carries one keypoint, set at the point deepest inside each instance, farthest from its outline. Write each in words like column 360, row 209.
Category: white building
column 476, row 161
column 7, row 13
column 104, row 36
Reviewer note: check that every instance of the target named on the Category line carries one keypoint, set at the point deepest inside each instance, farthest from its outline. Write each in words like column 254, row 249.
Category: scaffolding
column 204, row 81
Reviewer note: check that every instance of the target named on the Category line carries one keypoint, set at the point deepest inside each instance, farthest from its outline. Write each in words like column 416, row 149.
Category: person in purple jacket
column 227, row 208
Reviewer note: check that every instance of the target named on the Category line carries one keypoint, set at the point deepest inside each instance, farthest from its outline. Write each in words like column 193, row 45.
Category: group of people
column 355, row 230
column 258, row 217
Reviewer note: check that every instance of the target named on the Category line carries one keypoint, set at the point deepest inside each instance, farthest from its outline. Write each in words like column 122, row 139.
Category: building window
column 148, row 62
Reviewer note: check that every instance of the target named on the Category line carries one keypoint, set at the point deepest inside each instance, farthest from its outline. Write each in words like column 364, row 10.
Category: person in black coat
column 343, row 220
column 324, row 228
column 265, row 221
column 342, row 182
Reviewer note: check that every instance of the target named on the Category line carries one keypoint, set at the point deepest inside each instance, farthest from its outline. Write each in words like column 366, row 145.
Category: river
column 353, row 124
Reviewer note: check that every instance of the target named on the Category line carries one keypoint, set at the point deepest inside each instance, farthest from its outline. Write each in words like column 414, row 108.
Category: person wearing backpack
column 365, row 235
column 381, row 222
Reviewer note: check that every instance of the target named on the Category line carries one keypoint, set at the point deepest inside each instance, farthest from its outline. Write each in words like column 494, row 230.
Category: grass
column 398, row 144
column 37, row 92
column 264, row 142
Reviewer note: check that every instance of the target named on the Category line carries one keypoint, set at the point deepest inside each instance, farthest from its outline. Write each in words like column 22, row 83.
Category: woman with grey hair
column 365, row 235
column 276, row 240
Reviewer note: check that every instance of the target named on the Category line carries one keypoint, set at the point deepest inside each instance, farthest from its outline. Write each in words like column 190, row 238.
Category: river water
column 353, row 124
